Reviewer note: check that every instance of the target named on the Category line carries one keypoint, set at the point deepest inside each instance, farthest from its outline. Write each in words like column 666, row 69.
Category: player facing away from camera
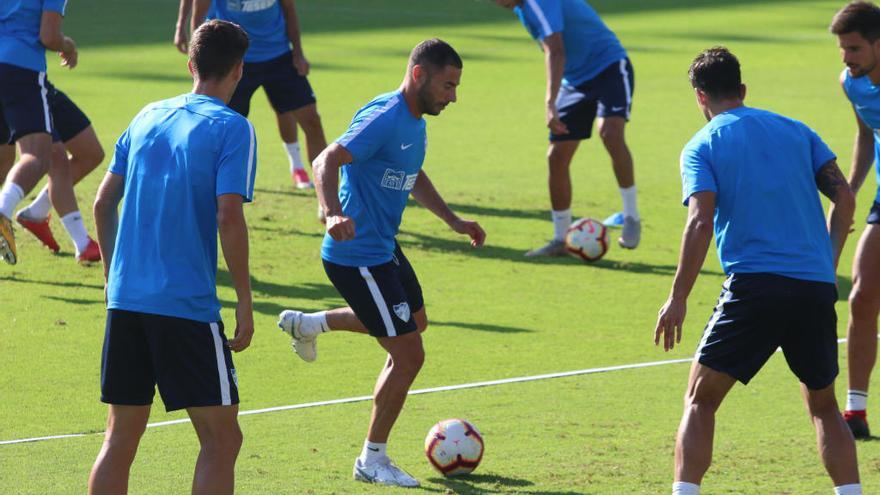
column 753, row 175
column 185, row 166
column 27, row 29
column 276, row 62
column 857, row 27
column 380, row 160
column 589, row 75
column 72, row 132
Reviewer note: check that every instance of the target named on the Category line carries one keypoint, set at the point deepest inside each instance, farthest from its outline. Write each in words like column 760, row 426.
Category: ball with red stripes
column 587, row 239
column 454, row 447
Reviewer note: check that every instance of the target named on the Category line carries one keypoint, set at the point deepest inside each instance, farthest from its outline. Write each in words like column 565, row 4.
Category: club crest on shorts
column 402, row 311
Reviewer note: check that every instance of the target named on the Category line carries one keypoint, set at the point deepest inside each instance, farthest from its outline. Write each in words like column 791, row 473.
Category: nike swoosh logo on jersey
column 405, row 146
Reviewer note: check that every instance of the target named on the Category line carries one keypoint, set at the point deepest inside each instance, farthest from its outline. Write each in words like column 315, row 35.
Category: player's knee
column 822, row 403
column 123, row 441
column 611, row 135
column 421, row 326
column 703, row 401
column 93, row 157
column 224, row 443
column 310, row 120
column 864, row 303
column 410, row 362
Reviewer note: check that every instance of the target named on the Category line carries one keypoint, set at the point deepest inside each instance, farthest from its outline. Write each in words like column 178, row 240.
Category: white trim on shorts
column 379, row 300
column 43, row 93
column 719, row 310
column 222, row 370
column 625, row 74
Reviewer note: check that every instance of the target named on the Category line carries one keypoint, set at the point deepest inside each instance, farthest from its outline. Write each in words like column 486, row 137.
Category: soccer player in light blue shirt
column 589, row 75
column 185, row 166
column 27, row 29
column 380, row 160
column 754, row 177
column 857, row 27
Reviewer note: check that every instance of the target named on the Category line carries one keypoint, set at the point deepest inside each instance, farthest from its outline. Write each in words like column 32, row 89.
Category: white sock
column 73, row 223
column 629, row 202
column 561, row 223
column 856, row 400
column 294, row 156
column 685, row 488
column 40, row 207
column 373, row 452
column 853, row 489
column 315, row 323
column 10, row 196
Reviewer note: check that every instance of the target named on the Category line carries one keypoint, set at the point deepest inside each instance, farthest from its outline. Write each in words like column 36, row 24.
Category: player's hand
column 669, row 323
column 554, row 123
column 301, row 64
column 244, row 327
column 472, row 229
column 340, row 227
column 180, row 39
column 69, row 55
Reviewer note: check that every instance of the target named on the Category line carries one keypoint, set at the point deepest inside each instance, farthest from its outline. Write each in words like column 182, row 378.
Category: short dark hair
column 435, row 54
column 216, row 47
column 858, row 17
column 716, row 72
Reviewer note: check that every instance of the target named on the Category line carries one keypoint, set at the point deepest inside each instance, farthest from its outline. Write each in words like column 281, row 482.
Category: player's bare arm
column 293, row 34
column 107, row 217
column 53, row 39
column 426, row 194
column 181, row 39
column 326, row 168
column 234, row 241
column 863, row 154
column 200, row 10
column 833, row 185
column 694, row 245
column 554, row 57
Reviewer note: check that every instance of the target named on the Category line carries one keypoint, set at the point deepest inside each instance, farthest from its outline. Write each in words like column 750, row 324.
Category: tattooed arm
column 833, row 185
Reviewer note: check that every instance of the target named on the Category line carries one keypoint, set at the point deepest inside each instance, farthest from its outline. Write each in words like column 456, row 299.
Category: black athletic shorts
column 609, row 94
column 285, row 88
column 187, row 359
column 384, row 297
column 874, row 215
column 24, row 103
column 760, row 312
column 69, row 120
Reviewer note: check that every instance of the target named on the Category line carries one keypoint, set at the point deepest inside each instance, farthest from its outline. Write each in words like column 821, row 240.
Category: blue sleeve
column 820, row 152
column 367, row 133
column 237, row 164
column 696, row 172
column 55, row 6
column 548, row 14
column 119, row 163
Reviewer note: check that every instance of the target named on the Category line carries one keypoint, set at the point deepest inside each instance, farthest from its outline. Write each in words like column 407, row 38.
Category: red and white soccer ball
column 454, row 447
column 587, row 239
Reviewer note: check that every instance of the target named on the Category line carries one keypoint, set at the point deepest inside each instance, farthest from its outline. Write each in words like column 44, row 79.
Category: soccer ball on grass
column 587, row 239
column 454, row 447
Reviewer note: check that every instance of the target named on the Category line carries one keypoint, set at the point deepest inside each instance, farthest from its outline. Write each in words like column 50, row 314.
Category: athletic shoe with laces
column 632, row 233
column 383, row 472
column 301, row 179
column 7, row 241
column 304, row 340
column 552, row 248
column 91, row 254
column 40, row 229
column 858, row 423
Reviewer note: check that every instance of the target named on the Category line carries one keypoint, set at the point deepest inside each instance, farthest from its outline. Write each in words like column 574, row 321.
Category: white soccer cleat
column 383, row 472
column 304, row 340
column 632, row 233
column 552, row 248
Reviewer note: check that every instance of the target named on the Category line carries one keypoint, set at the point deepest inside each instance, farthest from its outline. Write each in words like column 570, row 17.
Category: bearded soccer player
column 380, row 158
column 755, row 177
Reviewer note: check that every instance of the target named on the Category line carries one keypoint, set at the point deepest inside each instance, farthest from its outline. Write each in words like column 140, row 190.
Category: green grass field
column 494, row 313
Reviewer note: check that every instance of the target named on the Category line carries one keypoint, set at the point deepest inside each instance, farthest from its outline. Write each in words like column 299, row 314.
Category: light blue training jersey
column 590, row 46
column 177, row 156
column 20, row 31
column 865, row 97
column 388, row 145
column 768, row 215
column 262, row 20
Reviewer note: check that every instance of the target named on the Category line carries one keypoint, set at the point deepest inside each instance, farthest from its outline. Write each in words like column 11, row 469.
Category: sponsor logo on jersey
column 398, row 180
column 250, row 5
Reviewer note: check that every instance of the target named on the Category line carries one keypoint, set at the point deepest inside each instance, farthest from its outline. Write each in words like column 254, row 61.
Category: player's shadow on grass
column 479, row 484
column 483, row 327
column 55, row 283
column 265, row 293
column 489, row 211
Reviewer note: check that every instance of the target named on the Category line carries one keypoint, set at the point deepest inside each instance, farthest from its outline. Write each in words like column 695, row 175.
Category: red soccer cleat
column 91, row 254
column 41, row 229
column 301, row 179
column 858, row 423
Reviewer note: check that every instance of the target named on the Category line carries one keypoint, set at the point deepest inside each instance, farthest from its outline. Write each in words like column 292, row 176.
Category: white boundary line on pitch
column 363, row 398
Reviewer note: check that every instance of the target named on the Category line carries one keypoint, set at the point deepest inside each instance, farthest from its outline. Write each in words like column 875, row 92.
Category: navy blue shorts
column 285, row 88
column 187, row 359
column 383, row 297
column 24, row 103
column 609, row 94
column 874, row 214
column 759, row 312
column 68, row 119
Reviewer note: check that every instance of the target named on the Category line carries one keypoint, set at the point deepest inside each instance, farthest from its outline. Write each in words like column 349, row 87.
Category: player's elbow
column 845, row 203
